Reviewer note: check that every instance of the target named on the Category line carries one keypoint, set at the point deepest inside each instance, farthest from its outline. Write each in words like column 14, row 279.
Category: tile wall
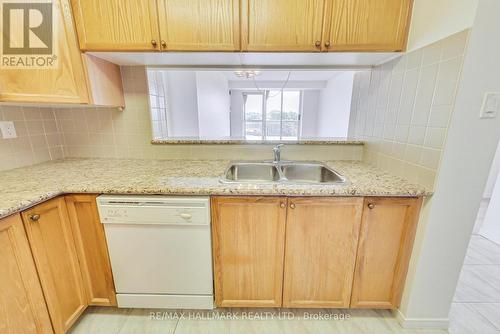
column 402, row 109
column 39, row 138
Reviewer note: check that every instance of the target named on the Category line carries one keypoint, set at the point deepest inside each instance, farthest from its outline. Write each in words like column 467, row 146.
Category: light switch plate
column 8, row 130
column 491, row 104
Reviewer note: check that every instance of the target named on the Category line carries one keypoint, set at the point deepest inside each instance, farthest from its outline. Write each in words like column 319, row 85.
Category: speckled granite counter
column 23, row 187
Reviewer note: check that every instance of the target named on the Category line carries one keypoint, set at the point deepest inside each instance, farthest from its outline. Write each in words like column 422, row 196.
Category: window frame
column 265, row 95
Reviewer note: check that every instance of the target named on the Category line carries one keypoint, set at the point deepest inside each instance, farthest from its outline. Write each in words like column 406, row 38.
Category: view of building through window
column 272, row 115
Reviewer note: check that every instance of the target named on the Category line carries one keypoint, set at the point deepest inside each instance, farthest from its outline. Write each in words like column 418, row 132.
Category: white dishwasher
column 160, row 250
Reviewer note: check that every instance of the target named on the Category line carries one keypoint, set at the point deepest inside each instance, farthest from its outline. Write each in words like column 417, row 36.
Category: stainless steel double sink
column 281, row 172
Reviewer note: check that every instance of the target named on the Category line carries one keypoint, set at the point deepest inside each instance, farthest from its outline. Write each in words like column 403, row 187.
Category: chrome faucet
column 277, row 153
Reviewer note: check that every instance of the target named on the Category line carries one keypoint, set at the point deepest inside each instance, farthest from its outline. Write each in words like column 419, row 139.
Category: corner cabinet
column 51, row 240
column 297, row 252
column 22, row 304
column 74, row 79
column 248, row 249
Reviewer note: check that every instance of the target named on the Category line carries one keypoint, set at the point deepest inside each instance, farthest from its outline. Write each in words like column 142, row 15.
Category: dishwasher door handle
column 185, row 216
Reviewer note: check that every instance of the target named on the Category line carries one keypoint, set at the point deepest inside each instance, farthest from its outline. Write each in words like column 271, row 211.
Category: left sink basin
column 252, row 172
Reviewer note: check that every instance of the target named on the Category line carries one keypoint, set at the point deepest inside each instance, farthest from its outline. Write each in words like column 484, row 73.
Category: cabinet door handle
column 282, row 205
column 371, row 206
column 292, row 206
column 154, row 43
column 185, row 215
column 34, row 218
column 163, row 44
column 327, row 44
column 317, row 44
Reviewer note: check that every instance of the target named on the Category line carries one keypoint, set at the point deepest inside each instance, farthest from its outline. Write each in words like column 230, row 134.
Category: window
column 158, row 104
column 272, row 114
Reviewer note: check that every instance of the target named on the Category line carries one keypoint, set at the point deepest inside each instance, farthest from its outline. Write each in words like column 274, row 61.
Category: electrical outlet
column 8, row 130
column 491, row 104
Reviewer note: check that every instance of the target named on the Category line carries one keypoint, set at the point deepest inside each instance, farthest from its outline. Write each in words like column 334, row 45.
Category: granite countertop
column 24, row 187
column 243, row 141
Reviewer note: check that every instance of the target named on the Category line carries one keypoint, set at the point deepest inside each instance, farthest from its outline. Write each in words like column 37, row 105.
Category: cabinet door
column 320, row 254
column 367, row 25
column 22, row 306
column 282, row 25
column 248, row 247
column 385, row 244
column 199, row 25
column 92, row 249
column 65, row 83
column 53, row 247
column 116, row 25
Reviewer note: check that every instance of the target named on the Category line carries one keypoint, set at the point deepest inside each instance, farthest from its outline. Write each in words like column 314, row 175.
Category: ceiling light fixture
column 246, row 73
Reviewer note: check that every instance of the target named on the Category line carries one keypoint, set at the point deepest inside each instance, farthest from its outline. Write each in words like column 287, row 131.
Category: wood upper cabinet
column 22, row 306
column 248, row 248
column 282, row 25
column 117, row 25
column 53, row 247
column 199, row 25
column 92, row 249
column 367, row 25
column 320, row 254
column 385, row 244
column 63, row 83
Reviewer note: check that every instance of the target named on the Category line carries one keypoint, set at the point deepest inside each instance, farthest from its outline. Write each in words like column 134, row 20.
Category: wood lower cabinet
column 248, row 248
column 92, row 249
column 385, row 244
column 320, row 254
column 199, row 25
column 52, row 244
column 22, row 306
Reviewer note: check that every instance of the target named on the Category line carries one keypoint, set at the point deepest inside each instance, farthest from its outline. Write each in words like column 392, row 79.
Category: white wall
column 310, row 107
column 494, row 173
column 433, row 20
column 213, row 104
column 490, row 228
column 237, row 117
column 335, row 106
column 182, row 104
column 449, row 217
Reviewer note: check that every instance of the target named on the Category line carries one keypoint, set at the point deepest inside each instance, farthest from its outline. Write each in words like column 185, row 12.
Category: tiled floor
column 476, row 310
column 476, row 307
column 125, row 321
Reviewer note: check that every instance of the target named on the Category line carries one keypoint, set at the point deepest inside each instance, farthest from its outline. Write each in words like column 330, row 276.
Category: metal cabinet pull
column 292, row 206
column 34, row 218
column 282, row 205
column 185, row 215
column 317, row 44
column 327, row 44
column 371, row 206
column 154, row 43
column 163, row 44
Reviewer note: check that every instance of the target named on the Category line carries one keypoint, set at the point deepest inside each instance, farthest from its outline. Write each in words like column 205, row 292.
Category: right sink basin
column 310, row 172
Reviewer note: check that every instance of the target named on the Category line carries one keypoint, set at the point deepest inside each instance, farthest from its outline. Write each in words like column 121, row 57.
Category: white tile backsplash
column 414, row 103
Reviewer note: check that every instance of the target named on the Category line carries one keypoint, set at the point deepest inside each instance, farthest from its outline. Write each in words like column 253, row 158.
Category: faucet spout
column 277, row 153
